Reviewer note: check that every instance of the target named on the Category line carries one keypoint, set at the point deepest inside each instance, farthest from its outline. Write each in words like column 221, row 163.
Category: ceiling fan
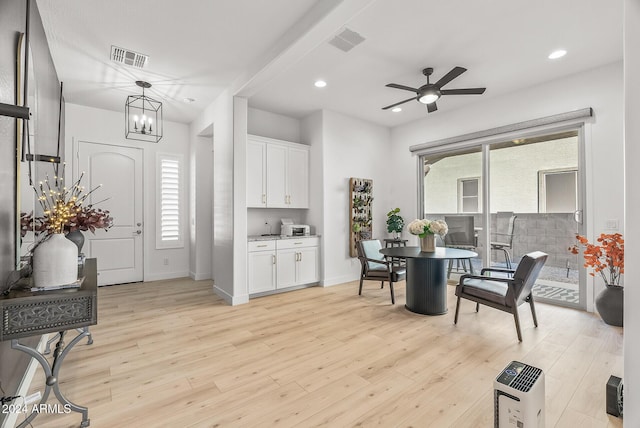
column 430, row 92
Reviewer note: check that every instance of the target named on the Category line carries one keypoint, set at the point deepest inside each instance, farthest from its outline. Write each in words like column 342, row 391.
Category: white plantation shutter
column 170, row 208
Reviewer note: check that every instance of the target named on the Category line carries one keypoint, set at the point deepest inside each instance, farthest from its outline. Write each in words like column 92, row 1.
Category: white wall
column 107, row 127
column 352, row 148
column 599, row 88
column 273, row 125
column 200, row 203
column 632, row 199
column 219, row 115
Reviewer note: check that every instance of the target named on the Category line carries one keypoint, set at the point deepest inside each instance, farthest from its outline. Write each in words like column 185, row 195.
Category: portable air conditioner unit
column 519, row 397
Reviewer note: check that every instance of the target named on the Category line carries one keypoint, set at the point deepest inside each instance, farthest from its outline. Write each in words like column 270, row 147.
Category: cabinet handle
column 300, row 257
column 263, row 245
column 264, row 198
column 273, row 259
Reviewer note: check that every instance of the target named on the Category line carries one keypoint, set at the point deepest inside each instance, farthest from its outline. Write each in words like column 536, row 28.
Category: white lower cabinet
column 261, row 275
column 295, row 262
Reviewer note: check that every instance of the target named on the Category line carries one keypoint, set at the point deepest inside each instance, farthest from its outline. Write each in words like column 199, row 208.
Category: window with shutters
column 170, row 209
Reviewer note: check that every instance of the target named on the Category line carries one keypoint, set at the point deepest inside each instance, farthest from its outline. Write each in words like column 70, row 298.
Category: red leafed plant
column 89, row 218
column 605, row 258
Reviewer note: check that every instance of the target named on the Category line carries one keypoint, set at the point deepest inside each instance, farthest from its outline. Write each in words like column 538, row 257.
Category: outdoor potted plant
column 606, row 258
column 426, row 230
column 395, row 223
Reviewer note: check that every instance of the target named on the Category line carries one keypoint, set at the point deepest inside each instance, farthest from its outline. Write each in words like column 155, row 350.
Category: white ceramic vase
column 55, row 262
column 428, row 243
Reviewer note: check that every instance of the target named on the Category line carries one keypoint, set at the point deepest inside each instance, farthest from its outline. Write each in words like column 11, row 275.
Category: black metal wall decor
column 360, row 222
column 143, row 116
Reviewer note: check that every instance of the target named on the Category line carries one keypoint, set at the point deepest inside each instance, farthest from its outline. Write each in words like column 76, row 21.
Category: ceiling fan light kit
column 431, row 92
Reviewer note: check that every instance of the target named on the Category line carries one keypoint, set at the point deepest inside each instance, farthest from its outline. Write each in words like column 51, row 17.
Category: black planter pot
column 610, row 305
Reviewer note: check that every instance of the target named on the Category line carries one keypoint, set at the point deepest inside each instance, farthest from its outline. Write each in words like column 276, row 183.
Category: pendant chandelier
column 143, row 116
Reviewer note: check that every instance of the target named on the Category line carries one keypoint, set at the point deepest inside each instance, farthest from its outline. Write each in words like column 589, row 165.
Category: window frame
column 179, row 159
column 461, row 195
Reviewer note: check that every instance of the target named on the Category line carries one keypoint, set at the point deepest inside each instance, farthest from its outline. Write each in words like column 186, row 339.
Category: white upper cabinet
column 277, row 173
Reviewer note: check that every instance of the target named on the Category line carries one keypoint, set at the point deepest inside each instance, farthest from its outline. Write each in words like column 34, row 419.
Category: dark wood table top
column 440, row 253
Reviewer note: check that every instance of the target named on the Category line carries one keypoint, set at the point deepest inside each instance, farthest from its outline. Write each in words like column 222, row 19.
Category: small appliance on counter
column 290, row 229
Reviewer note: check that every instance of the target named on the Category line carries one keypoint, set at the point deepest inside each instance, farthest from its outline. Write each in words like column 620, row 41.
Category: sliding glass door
column 531, row 189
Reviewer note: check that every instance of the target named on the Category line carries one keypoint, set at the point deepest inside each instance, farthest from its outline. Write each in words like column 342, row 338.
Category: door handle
column 577, row 216
column 137, row 232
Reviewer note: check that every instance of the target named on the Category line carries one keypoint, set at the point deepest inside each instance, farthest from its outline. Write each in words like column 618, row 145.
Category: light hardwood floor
column 172, row 354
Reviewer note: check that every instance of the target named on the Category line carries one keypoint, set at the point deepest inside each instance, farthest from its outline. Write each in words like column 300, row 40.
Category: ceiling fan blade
column 406, row 88
column 468, row 91
column 397, row 104
column 455, row 72
column 432, row 107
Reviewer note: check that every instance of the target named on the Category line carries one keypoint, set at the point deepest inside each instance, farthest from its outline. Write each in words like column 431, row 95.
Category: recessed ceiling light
column 320, row 83
column 557, row 54
column 396, row 109
column 188, row 100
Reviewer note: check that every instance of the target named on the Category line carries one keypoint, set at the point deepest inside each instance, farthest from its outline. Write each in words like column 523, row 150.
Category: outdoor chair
column 462, row 235
column 375, row 267
column 505, row 294
column 505, row 225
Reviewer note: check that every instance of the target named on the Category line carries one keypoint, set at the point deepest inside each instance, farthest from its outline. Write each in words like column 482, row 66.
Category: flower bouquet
column 426, row 230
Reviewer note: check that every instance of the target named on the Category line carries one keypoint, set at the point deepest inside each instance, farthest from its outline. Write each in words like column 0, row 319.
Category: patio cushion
column 371, row 250
column 492, row 291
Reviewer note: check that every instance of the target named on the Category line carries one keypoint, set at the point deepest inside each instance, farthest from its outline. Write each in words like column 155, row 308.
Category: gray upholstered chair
column 503, row 239
column 505, row 294
column 375, row 267
column 462, row 235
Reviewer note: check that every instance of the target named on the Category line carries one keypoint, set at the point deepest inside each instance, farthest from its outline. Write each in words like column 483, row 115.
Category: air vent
column 128, row 57
column 525, row 380
column 346, row 40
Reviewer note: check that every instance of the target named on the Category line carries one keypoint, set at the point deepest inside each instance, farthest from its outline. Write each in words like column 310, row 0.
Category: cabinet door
column 256, row 174
column 298, row 177
column 307, row 267
column 286, row 268
column 261, row 275
column 276, row 176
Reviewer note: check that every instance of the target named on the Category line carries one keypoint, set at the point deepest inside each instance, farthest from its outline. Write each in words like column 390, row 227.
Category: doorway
column 118, row 172
column 525, row 194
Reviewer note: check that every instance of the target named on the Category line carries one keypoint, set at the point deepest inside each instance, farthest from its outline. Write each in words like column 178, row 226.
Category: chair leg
column 507, row 258
column 381, row 284
column 471, row 267
column 393, row 297
column 517, row 320
column 455, row 319
column 360, row 291
column 477, row 307
column 533, row 311
column 449, row 269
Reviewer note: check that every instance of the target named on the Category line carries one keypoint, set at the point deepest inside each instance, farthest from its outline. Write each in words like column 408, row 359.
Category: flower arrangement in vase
column 606, row 258
column 54, row 257
column 426, row 230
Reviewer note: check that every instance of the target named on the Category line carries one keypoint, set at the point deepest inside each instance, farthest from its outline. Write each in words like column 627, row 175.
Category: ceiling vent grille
column 346, row 40
column 128, row 57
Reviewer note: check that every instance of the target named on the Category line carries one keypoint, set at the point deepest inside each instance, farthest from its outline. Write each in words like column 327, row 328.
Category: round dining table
column 426, row 283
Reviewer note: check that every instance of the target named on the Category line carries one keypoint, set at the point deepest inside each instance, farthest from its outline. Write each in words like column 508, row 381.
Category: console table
column 426, row 289
column 27, row 313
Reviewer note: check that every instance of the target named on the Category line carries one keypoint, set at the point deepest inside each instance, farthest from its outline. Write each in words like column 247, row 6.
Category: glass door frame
column 485, row 143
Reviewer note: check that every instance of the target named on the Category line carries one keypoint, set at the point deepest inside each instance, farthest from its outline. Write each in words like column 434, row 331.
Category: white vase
column 55, row 262
column 428, row 243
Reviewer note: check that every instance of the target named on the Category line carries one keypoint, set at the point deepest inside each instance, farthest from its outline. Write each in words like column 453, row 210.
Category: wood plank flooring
column 172, row 354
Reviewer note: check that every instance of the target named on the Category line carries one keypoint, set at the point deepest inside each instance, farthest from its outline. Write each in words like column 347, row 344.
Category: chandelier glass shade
column 143, row 116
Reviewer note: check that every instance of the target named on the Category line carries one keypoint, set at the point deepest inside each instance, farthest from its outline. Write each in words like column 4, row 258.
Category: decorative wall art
column 360, row 223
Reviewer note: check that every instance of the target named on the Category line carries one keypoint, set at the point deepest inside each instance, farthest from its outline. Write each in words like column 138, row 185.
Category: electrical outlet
column 611, row 224
column 166, row 261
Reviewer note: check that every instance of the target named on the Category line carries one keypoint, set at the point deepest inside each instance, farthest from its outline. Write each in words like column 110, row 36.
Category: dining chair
column 461, row 235
column 375, row 267
column 505, row 294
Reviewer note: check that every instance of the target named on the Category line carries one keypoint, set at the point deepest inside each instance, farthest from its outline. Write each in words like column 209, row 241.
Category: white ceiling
column 200, row 47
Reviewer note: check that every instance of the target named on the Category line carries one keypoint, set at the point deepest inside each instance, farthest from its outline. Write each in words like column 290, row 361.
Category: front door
column 118, row 170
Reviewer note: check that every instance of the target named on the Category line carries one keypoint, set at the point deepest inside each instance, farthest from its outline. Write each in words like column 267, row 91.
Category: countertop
column 251, row 238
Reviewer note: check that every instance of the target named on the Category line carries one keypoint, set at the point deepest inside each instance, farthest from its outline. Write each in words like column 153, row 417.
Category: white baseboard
column 12, row 418
column 338, row 280
column 199, row 276
column 169, row 275
column 231, row 300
